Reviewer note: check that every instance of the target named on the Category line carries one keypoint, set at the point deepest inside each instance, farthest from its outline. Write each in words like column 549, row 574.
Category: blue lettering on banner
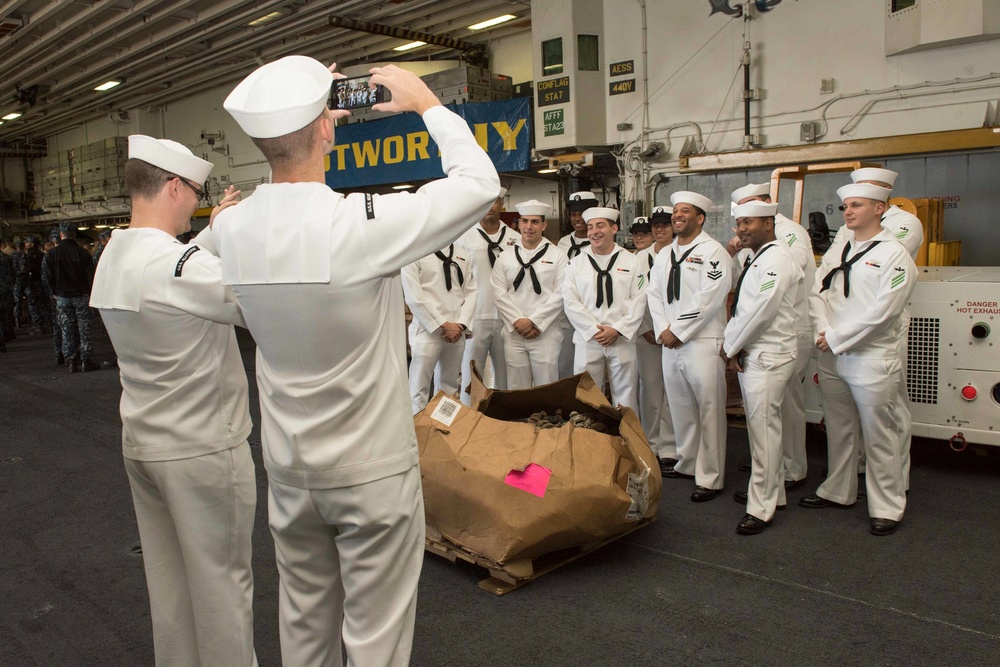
column 399, row 148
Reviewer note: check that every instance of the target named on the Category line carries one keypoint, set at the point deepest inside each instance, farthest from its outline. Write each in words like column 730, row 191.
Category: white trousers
column 654, row 413
column 534, row 362
column 903, row 414
column 617, row 363
column 695, row 380
column 485, row 341
column 348, row 561
column 567, row 353
column 763, row 382
column 195, row 520
column 432, row 357
column 793, row 413
column 865, row 389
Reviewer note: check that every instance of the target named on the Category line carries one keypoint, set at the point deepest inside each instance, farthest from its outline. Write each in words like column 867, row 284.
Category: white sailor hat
column 886, row 176
column 640, row 225
column 169, row 156
column 661, row 214
column 280, row 97
column 533, row 207
column 754, row 209
column 865, row 190
column 581, row 201
column 752, row 190
column 601, row 212
column 693, row 198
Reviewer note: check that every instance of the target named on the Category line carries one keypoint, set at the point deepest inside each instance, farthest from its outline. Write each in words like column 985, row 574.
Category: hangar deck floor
column 814, row 589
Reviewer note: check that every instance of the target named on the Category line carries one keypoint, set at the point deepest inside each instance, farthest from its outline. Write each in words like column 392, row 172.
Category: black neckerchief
column 606, row 274
column 448, row 263
column 739, row 283
column 674, row 278
column 845, row 266
column 492, row 246
column 535, row 285
column 576, row 248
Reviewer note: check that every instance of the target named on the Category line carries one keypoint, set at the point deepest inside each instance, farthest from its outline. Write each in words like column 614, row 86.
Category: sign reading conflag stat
column 399, row 148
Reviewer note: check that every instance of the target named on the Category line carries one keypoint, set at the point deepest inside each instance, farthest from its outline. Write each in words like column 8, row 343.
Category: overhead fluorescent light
column 411, row 45
column 82, row 229
column 492, row 22
column 12, row 115
column 547, row 171
column 101, row 226
column 265, row 18
column 108, row 85
column 404, row 186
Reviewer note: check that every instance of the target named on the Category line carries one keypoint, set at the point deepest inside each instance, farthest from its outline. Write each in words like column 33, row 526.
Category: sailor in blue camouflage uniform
column 6, row 298
column 102, row 243
column 31, row 283
column 17, row 260
column 68, row 271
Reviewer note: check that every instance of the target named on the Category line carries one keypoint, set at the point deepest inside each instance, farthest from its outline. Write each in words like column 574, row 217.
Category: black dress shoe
column 791, row 485
column 741, row 498
column 751, row 525
column 702, row 494
column 113, row 363
column 745, row 467
column 815, row 502
column 883, row 527
column 89, row 366
column 676, row 474
column 665, row 465
column 60, row 360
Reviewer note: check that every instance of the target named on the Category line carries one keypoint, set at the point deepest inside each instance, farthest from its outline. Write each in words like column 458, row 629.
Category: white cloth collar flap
column 279, row 235
column 118, row 281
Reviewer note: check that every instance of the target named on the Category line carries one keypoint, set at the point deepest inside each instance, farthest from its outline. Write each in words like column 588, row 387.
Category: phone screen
column 355, row 93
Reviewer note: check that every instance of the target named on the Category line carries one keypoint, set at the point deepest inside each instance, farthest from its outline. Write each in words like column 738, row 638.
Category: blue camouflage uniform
column 6, row 300
column 68, row 272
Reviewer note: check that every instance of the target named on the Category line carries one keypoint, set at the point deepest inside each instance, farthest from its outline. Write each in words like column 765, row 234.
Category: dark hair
column 144, row 180
column 290, row 147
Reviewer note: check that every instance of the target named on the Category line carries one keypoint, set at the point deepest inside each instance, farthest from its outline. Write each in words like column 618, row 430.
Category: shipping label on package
column 446, row 411
column 638, row 491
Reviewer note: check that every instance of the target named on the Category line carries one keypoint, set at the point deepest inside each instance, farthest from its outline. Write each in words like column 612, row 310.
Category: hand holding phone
column 356, row 92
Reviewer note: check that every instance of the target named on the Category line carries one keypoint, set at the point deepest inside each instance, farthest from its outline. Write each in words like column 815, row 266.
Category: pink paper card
column 534, row 479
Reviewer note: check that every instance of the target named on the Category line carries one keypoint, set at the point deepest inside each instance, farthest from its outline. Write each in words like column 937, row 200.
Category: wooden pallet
column 514, row 574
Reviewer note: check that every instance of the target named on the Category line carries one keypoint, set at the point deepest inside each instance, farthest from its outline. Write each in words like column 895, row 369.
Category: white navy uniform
column 909, row 231
column 438, row 288
column 762, row 330
column 572, row 246
column 486, row 340
column 905, row 227
column 860, row 377
column 621, row 307
column 530, row 362
column 316, row 274
column 654, row 411
column 793, row 407
column 693, row 374
column 185, row 422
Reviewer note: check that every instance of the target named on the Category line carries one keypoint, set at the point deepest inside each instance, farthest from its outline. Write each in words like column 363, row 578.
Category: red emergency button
column 969, row 393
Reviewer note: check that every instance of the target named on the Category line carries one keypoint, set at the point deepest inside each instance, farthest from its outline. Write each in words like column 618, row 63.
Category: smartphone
column 356, row 93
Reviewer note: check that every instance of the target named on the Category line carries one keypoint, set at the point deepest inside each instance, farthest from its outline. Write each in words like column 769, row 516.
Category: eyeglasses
column 197, row 191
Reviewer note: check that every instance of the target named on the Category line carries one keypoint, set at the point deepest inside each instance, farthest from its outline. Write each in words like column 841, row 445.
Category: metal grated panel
column 922, row 360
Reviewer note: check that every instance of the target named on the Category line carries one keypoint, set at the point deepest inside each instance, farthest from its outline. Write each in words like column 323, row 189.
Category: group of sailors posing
column 655, row 325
